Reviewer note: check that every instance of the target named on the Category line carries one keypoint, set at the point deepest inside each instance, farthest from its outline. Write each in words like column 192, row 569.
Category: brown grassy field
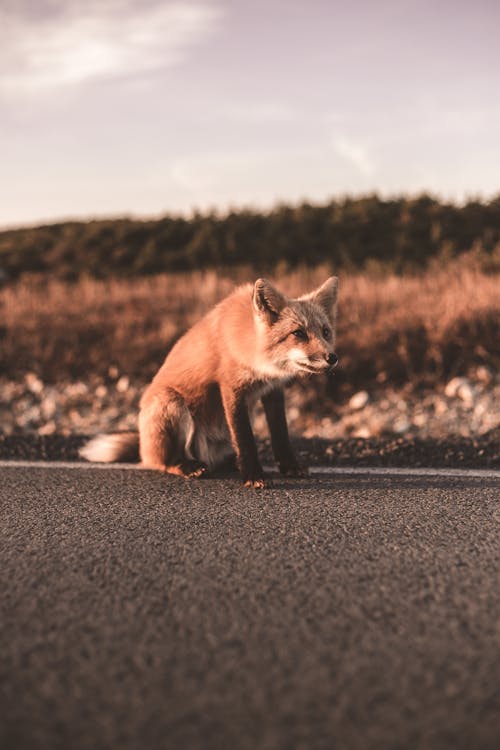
column 419, row 330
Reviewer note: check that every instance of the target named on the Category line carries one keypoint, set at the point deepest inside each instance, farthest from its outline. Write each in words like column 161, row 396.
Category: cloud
column 211, row 172
column 194, row 176
column 70, row 43
column 261, row 112
column 356, row 154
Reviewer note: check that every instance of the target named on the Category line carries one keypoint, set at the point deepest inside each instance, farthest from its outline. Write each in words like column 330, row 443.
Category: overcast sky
column 112, row 107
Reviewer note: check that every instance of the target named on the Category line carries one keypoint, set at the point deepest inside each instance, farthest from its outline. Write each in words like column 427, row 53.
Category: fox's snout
column 319, row 362
column 331, row 360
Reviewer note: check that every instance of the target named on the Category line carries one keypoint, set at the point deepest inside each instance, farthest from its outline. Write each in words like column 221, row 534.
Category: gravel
column 480, row 452
column 456, row 424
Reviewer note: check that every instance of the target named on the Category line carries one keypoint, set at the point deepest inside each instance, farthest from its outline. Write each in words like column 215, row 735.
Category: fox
column 194, row 416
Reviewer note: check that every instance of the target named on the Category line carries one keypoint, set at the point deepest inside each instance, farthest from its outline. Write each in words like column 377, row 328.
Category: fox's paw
column 194, row 470
column 256, row 484
column 294, row 470
column 188, row 469
column 196, row 473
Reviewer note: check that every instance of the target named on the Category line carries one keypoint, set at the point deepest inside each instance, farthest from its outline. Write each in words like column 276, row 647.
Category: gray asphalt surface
column 144, row 612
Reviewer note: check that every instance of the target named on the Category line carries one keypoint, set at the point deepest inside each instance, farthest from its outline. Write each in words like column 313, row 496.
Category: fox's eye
column 326, row 333
column 300, row 334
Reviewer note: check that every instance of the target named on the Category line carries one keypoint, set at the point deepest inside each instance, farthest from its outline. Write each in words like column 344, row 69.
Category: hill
column 399, row 235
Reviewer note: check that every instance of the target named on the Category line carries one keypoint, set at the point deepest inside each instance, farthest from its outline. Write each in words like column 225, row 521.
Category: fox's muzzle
column 332, row 360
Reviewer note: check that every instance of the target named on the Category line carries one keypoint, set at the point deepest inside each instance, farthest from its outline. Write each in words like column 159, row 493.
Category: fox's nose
column 332, row 359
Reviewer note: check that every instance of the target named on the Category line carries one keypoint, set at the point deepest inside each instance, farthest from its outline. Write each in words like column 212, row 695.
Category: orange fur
column 194, row 414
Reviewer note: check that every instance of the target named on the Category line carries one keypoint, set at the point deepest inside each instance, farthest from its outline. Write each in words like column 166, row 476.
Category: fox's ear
column 267, row 301
column 326, row 297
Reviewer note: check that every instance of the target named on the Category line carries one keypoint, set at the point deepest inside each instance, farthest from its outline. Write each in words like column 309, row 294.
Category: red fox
column 194, row 415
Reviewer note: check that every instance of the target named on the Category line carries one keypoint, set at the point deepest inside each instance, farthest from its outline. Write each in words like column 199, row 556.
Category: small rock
column 122, row 384
column 33, row 382
column 359, row 400
column 362, row 432
column 401, row 426
column 451, row 388
column 49, row 407
column 101, row 391
column 76, row 390
column 484, row 374
column 47, row 429
column 465, row 393
column 480, row 410
column 440, row 406
column 420, row 419
column 75, row 416
column 30, row 417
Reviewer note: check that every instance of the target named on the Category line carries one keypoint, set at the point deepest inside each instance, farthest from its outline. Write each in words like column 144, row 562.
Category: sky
column 147, row 107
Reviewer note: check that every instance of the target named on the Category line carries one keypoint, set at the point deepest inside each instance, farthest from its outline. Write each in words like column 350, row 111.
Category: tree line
column 399, row 234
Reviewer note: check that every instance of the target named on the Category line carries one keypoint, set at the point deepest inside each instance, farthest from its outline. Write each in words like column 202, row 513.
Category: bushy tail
column 119, row 446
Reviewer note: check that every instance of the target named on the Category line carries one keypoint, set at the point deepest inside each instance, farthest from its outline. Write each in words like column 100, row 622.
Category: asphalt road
column 144, row 612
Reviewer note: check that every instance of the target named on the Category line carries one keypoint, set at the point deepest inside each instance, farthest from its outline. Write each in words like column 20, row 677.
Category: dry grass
column 420, row 330
column 415, row 330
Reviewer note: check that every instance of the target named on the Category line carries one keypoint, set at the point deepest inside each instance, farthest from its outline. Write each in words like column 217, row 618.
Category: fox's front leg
column 236, row 411
column 274, row 407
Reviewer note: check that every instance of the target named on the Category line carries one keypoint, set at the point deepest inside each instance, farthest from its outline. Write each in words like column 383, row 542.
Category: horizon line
column 222, row 212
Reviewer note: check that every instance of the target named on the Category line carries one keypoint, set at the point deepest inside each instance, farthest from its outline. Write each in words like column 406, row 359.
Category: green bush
column 401, row 235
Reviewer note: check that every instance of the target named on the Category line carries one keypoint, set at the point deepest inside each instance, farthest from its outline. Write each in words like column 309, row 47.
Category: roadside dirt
column 457, row 452
column 455, row 425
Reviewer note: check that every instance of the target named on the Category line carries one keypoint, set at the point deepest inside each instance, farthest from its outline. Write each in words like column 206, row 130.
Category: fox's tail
column 119, row 446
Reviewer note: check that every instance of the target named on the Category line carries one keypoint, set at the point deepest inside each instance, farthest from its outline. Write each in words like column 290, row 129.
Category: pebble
column 123, row 384
column 359, row 400
column 49, row 406
column 96, row 406
column 465, row 393
column 33, row 382
column 362, row 432
column 75, row 390
column 401, row 426
column 419, row 420
column 49, row 428
column 452, row 387
column 440, row 406
column 484, row 374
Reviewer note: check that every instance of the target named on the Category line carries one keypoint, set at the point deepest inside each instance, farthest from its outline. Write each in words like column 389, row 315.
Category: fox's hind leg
column 166, row 429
